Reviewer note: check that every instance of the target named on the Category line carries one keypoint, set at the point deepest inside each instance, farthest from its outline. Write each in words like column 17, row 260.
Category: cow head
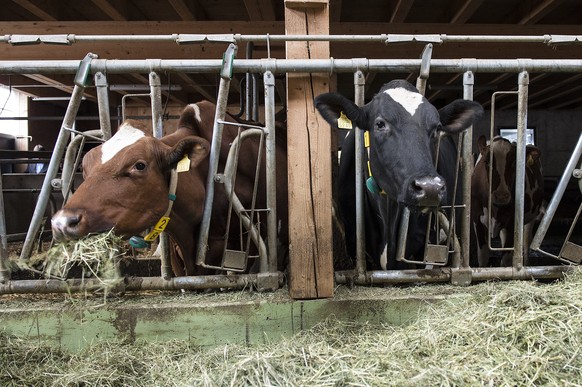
column 125, row 183
column 501, row 156
column 404, row 127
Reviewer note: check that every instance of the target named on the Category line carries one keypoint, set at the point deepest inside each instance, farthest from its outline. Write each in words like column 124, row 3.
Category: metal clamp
column 227, row 61
column 84, row 70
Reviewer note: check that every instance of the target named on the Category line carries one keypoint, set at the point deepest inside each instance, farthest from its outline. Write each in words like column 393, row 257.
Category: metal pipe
column 60, row 145
column 67, row 39
column 103, row 103
column 523, row 82
column 557, row 196
column 70, row 162
column 4, row 260
column 359, row 93
column 444, row 274
column 279, row 66
column 237, row 281
column 221, row 105
column 467, row 151
column 271, row 168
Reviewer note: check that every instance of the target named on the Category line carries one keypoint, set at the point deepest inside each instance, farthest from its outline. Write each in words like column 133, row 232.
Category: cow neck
column 371, row 183
column 138, row 241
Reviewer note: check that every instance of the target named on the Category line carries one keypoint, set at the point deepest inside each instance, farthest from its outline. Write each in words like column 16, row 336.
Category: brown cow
column 502, row 195
column 126, row 186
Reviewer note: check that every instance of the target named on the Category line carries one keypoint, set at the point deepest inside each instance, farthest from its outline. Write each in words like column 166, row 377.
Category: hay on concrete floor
column 502, row 334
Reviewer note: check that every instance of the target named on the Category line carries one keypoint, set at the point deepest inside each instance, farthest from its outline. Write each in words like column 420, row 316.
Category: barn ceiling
column 246, row 17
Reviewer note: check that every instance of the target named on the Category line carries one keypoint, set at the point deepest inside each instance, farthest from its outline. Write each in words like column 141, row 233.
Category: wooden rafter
column 182, row 10
column 539, row 12
column 400, row 11
column 42, row 79
column 263, row 10
column 109, row 10
column 35, row 10
column 466, row 10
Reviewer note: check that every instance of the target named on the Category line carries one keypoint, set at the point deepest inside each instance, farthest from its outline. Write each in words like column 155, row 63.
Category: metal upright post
column 221, row 105
column 4, row 266
column 467, row 138
column 522, row 96
column 103, row 104
column 59, row 149
column 359, row 84
column 271, row 165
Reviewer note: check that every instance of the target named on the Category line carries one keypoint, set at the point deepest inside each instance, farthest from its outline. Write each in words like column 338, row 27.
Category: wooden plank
column 309, row 150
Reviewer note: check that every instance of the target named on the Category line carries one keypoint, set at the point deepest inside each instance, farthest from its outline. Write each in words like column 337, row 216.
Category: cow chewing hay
column 496, row 333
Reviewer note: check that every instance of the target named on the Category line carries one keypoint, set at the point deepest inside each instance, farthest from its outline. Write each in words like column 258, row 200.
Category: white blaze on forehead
column 409, row 100
column 126, row 135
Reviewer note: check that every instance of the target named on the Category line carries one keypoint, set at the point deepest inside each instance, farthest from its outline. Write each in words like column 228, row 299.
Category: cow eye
column 140, row 166
column 381, row 124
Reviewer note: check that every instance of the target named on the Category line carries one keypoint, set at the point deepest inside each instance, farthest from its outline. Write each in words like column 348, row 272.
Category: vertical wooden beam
column 309, row 150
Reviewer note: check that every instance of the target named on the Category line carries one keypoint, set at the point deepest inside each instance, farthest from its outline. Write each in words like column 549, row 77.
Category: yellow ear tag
column 184, row 164
column 343, row 122
column 158, row 228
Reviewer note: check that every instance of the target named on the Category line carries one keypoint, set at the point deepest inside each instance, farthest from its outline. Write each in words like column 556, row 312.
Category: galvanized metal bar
column 221, row 106
column 523, row 83
column 15, row 39
column 238, row 281
column 279, row 66
column 271, row 168
column 359, row 94
column 4, row 259
column 468, row 167
column 557, row 196
column 103, row 104
column 60, row 145
column 70, row 162
column 424, row 68
column 444, row 274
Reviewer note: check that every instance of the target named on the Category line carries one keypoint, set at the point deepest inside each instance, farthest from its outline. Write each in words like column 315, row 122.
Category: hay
column 94, row 256
column 501, row 334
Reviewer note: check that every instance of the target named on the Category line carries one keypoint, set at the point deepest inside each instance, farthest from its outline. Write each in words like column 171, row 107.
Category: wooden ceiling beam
column 260, row 10
column 466, row 10
column 182, row 10
column 539, row 12
column 35, row 10
column 44, row 80
column 109, row 10
column 400, row 11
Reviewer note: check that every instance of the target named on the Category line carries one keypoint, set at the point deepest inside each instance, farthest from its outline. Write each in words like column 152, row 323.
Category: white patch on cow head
column 409, row 100
column 196, row 112
column 125, row 136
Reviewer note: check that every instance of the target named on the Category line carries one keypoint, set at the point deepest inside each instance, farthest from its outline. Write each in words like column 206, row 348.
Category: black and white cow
column 403, row 127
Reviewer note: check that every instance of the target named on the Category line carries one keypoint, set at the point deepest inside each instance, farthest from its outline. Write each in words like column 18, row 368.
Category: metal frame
column 359, row 66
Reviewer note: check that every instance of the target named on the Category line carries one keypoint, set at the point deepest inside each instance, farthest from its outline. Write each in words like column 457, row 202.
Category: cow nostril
column 427, row 191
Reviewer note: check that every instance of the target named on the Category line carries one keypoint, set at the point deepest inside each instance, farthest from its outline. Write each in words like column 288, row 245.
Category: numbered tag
column 184, row 164
column 158, row 228
column 343, row 122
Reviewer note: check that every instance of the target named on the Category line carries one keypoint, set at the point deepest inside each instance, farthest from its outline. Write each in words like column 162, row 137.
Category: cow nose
column 501, row 198
column 427, row 191
column 65, row 224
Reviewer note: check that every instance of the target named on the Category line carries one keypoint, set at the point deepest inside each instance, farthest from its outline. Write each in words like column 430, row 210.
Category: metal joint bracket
column 17, row 40
column 461, row 277
column 56, row 39
column 227, row 61
column 404, row 38
column 199, row 38
column 84, row 70
column 560, row 39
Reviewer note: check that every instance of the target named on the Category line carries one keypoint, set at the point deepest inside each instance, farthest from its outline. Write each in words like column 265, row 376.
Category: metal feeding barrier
column 456, row 271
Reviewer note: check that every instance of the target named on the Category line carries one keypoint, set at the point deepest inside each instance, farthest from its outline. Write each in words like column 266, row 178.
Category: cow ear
column 459, row 115
column 195, row 147
column 335, row 109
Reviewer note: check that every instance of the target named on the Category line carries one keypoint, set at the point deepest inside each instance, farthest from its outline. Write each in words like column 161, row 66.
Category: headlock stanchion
column 358, row 66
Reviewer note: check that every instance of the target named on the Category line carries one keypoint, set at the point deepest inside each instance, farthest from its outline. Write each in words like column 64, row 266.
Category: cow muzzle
column 66, row 224
column 426, row 191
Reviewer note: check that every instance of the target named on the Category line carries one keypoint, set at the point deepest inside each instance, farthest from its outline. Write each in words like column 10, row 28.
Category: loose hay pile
column 94, row 256
column 502, row 334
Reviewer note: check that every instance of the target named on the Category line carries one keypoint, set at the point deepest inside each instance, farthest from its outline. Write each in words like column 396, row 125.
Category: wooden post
column 309, row 158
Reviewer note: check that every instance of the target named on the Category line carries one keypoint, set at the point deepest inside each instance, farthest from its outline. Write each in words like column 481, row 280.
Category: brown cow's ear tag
column 184, row 164
column 343, row 122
